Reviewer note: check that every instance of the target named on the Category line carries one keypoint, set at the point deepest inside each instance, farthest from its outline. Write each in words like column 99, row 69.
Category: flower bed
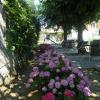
column 57, row 78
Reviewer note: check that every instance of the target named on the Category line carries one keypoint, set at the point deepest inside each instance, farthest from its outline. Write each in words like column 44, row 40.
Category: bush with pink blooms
column 57, row 78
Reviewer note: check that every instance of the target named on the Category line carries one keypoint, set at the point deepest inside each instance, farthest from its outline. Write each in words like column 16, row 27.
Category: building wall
column 5, row 59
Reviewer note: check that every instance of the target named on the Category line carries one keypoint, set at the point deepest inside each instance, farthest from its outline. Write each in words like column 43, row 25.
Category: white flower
column 57, row 70
column 54, row 91
column 44, row 89
column 52, row 81
column 72, row 85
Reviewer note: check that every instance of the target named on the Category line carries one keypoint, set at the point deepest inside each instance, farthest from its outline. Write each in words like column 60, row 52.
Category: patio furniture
column 68, row 44
column 95, row 48
column 82, row 47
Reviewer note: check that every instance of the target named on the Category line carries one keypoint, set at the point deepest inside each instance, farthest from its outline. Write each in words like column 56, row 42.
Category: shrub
column 56, row 77
column 22, row 30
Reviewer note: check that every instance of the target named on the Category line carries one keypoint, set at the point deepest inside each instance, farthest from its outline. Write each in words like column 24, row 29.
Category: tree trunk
column 81, row 48
column 64, row 43
column 65, row 35
column 66, row 30
column 80, row 34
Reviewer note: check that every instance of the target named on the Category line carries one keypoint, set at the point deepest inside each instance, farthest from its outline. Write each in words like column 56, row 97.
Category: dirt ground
column 16, row 89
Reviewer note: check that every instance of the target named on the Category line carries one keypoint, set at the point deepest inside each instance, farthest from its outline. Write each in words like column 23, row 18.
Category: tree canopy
column 54, row 14
column 71, row 13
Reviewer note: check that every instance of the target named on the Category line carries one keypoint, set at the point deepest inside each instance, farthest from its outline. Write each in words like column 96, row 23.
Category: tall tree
column 84, row 11
column 71, row 13
column 54, row 13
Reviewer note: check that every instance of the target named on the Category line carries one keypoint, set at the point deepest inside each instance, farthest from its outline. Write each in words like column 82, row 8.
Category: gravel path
column 84, row 61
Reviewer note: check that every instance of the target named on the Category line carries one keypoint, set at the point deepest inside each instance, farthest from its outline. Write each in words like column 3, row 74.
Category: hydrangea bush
column 57, row 78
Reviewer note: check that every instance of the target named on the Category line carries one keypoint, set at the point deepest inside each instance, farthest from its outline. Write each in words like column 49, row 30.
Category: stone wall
column 6, row 63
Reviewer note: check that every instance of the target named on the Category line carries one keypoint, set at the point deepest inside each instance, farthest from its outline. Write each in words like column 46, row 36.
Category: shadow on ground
column 16, row 90
column 94, row 76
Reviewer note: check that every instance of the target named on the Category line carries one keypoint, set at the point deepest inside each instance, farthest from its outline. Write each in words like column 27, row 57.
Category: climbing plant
column 22, row 30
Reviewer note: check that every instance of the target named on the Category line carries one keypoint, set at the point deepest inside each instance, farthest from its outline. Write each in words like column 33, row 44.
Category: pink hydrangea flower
column 30, row 80
column 48, row 96
column 35, row 69
column 69, row 93
column 82, row 82
column 33, row 74
column 88, row 82
column 70, row 79
column 47, row 60
column 41, row 74
column 80, row 87
column 57, row 78
column 63, row 69
column 57, row 85
column 46, row 74
column 52, row 65
column 66, row 61
column 87, row 91
column 78, row 72
column 64, row 82
column 75, row 70
column 51, row 85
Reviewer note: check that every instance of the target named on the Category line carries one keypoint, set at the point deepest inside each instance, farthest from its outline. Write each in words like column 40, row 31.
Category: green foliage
column 22, row 29
column 55, row 15
column 80, row 96
column 71, row 13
